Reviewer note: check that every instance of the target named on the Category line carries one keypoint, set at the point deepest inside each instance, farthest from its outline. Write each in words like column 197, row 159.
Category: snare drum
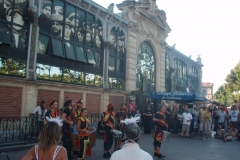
column 116, row 133
column 75, row 142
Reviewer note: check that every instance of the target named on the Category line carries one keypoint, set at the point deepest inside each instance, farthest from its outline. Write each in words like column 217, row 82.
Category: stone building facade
column 79, row 49
column 207, row 90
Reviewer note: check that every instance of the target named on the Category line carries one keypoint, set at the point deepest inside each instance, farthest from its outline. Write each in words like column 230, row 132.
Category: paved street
column 176, row 149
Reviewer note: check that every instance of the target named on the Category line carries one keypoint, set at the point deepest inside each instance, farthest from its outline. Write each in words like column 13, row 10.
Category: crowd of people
column 180, row 119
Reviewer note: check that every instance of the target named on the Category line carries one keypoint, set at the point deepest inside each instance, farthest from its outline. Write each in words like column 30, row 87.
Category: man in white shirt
column 131, row 149
column 41, row 110
column 221, row 117
column 187, row 118
column 234, row 115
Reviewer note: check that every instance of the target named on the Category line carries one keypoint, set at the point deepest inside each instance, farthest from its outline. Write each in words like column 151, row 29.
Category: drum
column 74, row 129
column 75, row 142
column 116, row 133
column 165, row 136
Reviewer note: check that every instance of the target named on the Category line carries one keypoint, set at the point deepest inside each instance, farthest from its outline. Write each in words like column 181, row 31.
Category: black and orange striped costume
column 107, row 136
column 85, row 148
column 66, row 129
column 51, row 114
column 157, row 131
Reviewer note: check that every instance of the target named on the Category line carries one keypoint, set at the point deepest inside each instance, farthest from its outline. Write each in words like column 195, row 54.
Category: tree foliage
column 230, row 91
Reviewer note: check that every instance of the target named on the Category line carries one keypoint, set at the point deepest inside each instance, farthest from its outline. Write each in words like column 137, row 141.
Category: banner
column 174, row 96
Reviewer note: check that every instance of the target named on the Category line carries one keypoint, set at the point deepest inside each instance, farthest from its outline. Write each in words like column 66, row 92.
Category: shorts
column 185, row 127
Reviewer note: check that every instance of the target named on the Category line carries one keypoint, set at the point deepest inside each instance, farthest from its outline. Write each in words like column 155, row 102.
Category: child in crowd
column 220, row 133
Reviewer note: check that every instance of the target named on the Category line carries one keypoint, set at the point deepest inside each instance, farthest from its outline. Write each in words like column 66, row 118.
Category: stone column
column 131, row 61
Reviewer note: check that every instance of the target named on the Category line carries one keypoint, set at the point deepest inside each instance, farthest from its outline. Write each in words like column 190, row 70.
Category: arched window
column 145, row 70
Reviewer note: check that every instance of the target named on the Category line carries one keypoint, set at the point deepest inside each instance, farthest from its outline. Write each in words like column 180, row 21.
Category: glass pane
column 43, row 44
column 49, row 72
column 98, row 32
column 98, row 59
column 68, row 34
column 19, row 37
column 6, row 33
column 73, row 76
column 98, row 80
column 89, row 30
column 80, row 54
column 111, row 63
column 58, row 9
column 69, row 50
column 89, row 80
column 44, row 22
column 80, row 31
column 57, row 47
column 10, row 66
column 112, row 82
column 91, row 58
column 145, row 68
column 98, row 42
column 4, row 8
column 112, row 49
column 55, row 73
column 42, row 71
column 120, row 65
column 70, row 23
column 121, row 44
column 57, row 29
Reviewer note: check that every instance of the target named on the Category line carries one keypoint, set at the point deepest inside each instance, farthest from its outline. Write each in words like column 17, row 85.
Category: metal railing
column 25, row 130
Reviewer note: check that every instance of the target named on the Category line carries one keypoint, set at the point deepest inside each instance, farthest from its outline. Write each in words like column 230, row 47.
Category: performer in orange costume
column 159, row 125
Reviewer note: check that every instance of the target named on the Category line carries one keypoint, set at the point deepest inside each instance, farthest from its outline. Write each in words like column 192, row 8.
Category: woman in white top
column 47, row 147
column 131, row 149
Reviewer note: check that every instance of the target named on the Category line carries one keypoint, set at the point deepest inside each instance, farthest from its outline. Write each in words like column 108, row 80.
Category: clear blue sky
column 210, row 28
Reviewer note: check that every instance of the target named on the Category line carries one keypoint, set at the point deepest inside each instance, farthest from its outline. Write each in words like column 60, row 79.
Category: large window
column 193, row 79
column 73, row 43
column 14, row 26
column 116, row 62
column 168, row 81
column 180, row 75
column 145, row 70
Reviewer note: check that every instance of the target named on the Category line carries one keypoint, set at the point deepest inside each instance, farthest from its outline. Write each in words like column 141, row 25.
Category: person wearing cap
column 122, row 115
column 44, row 22
column 159, row 125
column 74, row 18
column 76, row 112
column 57, row 29
column 67, row 118
column 131, row 149
column 68, row 30
column 41, row 110
column 46, row 8
column 108, row 122
column 59, row 12
column 53, row 112
column 16, row 35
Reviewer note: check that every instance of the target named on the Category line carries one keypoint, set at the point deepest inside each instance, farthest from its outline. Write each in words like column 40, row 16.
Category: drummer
column 67, row 118
column 122, row 115
column 84, row 131
column 108, row 122
column 159, row 125
column 76, row 112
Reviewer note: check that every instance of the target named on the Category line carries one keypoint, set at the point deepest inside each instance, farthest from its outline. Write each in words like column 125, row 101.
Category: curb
column 16, row 148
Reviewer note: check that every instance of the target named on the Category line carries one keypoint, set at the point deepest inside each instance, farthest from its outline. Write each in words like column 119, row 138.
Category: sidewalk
column 176, row 148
